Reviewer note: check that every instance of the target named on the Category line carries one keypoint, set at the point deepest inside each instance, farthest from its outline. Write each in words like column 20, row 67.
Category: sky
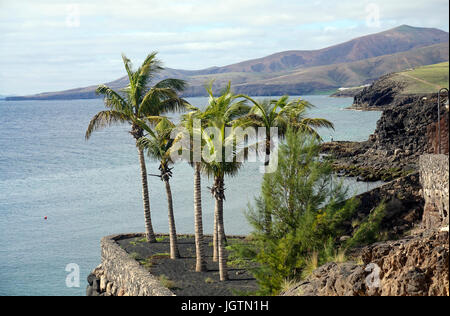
column 49, row 45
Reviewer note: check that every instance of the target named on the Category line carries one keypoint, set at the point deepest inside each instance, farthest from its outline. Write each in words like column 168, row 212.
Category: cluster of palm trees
column 143, row 106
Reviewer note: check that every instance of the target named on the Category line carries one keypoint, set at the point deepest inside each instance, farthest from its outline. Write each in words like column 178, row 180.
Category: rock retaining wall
column 433, row 136
column 434, row 177
column 121, row 275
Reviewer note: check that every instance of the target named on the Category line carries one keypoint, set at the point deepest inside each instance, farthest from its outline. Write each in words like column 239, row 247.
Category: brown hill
column 400, row 39
column 355, row 62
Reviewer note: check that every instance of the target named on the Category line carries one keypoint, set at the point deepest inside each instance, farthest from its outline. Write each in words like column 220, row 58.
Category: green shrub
column 369, row 230
column 166, row 282
column 297, row 218
column 135, row 255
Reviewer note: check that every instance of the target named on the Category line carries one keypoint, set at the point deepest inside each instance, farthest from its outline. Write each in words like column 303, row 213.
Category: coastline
column 365, row 108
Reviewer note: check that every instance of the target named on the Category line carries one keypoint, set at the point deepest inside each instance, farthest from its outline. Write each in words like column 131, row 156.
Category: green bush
column 369, row 230
column 300, row 214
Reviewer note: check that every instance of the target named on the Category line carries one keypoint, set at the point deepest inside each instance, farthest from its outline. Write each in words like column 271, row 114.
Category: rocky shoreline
column 405, row 131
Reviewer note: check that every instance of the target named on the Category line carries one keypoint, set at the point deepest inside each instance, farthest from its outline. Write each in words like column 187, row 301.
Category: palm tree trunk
column 218, row 193
column 145, row 198
column 267, row 213
column 174, row 252
column 215, row 236
column 223, row 270
column 268, row 151
column 199, row 242
column 219, row 232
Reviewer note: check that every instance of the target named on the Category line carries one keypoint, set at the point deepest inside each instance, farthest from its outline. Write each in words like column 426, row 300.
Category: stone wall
column 121, row 275
column 434, row 178
column 433, row 136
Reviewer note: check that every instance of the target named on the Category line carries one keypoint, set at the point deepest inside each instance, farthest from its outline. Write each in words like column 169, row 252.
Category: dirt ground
column 179, row 275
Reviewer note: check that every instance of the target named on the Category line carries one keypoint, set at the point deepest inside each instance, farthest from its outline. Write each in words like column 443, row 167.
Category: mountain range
column 356, row 62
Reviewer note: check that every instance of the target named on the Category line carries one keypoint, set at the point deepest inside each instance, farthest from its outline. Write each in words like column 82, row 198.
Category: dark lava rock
column 91, row 278
column 402, row 135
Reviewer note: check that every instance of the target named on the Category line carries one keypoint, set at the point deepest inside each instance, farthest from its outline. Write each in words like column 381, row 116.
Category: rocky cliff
column 405, row 131
column 379, row 95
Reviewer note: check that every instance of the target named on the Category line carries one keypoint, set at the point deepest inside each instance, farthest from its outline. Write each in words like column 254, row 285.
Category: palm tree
column 196, row 131
column 220, row 113
column 200, row 265
column 282, row 114
column 158, row 146
column 132, row 104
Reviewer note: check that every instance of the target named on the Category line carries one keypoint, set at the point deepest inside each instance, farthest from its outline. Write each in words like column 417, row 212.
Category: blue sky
column 55, row 45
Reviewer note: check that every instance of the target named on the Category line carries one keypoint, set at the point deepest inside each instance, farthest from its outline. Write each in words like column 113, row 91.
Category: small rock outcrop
column 347, row 92
column 379, row 95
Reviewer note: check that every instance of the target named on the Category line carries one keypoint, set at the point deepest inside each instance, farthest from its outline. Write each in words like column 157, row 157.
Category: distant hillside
column 393, row 41
column 398, row 88
column 323, row 78
column 352, row 63
column 426, row 79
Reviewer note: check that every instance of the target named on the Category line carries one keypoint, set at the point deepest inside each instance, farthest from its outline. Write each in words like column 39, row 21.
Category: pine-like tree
column 307, row 212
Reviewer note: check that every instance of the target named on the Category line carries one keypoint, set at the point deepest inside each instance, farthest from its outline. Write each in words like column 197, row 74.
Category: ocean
column 89, row 189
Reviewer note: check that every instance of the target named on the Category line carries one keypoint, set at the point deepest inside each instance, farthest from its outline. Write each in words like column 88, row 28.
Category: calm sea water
column 91, row 189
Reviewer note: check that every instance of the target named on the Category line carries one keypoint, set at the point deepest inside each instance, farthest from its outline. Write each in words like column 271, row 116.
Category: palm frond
column 236, row 111
column 104, row 119
column 113, row 99
column 153, row 120
column 175, row 84
column 129, row 68
column 317, row 122
column 175, row 104
column 141, row 123
column 146, row 72
column 154, row 102
column 164, row 126
column 249, row 120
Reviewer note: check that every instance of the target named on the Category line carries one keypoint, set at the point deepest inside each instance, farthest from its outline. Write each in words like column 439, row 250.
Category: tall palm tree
column 220, row 113
column 281, row 114
column 133, row 103
column 196, row 132
column 158, row 146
